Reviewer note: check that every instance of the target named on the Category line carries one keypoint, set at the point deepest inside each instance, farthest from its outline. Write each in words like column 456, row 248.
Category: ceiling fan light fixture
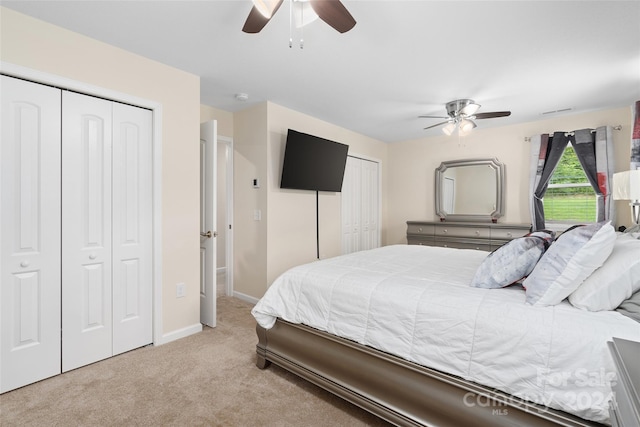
column 304, row 13
column 266, row 7
column 469, row 109
column 449, row 128
column 466, row 125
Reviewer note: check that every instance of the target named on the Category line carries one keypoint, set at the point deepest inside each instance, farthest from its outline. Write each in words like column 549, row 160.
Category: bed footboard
column 401, row 392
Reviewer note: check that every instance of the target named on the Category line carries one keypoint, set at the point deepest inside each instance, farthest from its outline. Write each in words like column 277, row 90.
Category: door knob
column 207, row 234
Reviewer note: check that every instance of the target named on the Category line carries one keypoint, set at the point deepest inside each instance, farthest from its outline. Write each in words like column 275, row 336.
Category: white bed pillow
column 615, row 281
column 568, row 262
column 512, row 261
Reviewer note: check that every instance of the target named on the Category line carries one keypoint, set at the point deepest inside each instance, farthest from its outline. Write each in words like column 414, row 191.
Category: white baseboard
column 180, row 333
column 245, row 297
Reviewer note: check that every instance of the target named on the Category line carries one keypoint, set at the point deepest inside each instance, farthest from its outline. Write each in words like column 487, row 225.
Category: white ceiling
column 401, row 60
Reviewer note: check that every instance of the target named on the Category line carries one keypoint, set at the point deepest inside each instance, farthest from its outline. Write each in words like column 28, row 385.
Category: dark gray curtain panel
column 545, row 155
column 635, row 138
column 594, row 150
column 595, row 153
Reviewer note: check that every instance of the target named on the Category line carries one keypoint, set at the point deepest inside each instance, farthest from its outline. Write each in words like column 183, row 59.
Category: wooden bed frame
column 401, row 392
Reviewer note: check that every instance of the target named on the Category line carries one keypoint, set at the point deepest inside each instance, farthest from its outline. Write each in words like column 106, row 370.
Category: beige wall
column 250, row 236
column 292, row 213
column 412, row 165
column 286, row 235
column 224, row 119
column 40, row 46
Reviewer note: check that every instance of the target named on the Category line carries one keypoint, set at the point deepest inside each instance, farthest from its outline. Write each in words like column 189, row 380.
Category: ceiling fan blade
column 492, row 114
column 439, row 124
column 432, row 117
column 256, row 20
column 334, row 13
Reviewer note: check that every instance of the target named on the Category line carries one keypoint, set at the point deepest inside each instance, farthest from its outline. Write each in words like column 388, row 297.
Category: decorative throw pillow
column 615, row 281
column 631, row 307
column 568, row 262
column 512, row 261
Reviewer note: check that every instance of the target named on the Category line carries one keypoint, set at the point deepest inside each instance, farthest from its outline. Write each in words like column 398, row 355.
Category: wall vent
column 562, row 110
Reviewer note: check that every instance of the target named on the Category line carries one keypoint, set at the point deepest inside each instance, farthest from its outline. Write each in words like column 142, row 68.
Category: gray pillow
column 512, row 261
column 569, row 261
column 631, row 307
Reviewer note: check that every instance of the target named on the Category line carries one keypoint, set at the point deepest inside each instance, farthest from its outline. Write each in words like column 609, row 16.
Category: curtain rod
column 618, row 127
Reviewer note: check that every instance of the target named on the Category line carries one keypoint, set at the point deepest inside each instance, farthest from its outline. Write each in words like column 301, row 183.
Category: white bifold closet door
column 360, row 205
column 29, row 233
column 106, row 223
column 75, row 231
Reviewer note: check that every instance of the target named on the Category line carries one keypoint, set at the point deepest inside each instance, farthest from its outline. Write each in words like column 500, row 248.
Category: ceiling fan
column 332, row 12
column 462, row 113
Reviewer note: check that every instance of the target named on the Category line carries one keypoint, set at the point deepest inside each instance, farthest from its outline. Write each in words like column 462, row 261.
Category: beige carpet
column 207, row 379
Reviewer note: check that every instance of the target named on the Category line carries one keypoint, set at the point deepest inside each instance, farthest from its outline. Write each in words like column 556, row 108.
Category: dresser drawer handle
column 420, row 229
column 509, row 234
column 444, row 231
column 477, row 232
column 24, row 264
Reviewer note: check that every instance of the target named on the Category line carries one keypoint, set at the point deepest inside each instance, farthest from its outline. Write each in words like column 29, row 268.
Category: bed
column 399, row 332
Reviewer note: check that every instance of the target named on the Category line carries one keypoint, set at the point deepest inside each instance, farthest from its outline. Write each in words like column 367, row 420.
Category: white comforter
column 416, row 302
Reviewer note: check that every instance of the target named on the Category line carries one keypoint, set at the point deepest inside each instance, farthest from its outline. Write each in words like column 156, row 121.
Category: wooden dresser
column 463, row 235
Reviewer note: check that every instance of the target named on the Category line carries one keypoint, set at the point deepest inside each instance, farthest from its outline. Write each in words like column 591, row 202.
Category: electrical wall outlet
column 181, row 290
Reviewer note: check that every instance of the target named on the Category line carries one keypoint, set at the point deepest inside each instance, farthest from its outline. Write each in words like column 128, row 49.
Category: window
column 569, row 199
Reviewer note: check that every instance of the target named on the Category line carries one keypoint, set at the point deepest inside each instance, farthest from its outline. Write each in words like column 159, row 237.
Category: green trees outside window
column 570, row 197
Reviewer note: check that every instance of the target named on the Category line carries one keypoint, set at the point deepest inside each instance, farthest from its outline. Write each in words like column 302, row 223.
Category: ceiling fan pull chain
column 302, row 27
column 290, row 23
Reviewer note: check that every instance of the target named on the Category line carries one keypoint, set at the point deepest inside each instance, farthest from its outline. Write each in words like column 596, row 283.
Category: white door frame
column 156, row 109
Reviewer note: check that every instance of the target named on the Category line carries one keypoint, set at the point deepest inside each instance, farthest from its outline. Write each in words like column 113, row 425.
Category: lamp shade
column 304, row 13
column 469, row 109
column 466, row 125
column 266, row 7
column 626, row 185
column 449, row 128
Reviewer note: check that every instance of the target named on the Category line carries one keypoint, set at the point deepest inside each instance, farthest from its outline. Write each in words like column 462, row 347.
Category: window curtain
column 594, row 150
column 545, row 155
column 635, row 138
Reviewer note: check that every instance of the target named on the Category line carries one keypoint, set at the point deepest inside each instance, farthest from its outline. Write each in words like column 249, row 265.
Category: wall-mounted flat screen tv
column 313, row 163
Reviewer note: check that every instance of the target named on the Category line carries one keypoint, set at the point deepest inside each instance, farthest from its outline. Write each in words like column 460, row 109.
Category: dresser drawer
column 460, row 231
column 464, row 244
column 420, row 240
column 508, row 233
column 426, row 229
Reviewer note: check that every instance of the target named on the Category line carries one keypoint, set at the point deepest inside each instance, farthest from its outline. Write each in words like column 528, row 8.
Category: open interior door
column 208, row 234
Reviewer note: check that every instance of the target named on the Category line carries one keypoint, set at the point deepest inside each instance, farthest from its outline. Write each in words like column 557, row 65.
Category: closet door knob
column 24, row 263
column 92, row 256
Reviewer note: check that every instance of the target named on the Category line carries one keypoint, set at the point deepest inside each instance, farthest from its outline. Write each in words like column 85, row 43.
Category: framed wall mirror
column 470, row 190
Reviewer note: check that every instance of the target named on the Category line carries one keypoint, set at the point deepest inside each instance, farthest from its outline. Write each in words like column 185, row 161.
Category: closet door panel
column 369, row 200
column 351, row 224
column 29, row 233
column 86, row 221
column 132, row 228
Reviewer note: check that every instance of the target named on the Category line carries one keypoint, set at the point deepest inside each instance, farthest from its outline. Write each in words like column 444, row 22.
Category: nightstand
column 625, row 409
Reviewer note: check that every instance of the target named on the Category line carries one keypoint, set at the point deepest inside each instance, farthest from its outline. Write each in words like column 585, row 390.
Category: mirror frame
column 493, row 163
